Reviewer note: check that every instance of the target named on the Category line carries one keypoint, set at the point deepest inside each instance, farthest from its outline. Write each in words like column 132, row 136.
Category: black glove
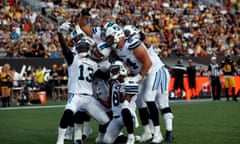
column 85, row 11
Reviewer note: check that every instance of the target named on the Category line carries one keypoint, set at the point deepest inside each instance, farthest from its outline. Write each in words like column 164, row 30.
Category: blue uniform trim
column 163, row 80
column 94, row 30
column 134, row 45
column 156, row 81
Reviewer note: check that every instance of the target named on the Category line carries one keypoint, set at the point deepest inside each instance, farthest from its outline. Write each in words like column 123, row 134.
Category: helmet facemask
column 118, row 69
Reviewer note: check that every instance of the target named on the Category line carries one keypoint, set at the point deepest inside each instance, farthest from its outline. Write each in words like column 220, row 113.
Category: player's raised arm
column 65, row 50
column 83, row 21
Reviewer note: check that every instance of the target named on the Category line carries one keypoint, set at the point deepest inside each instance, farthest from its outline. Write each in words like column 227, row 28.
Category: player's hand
column 136, row 79
column 85, row 11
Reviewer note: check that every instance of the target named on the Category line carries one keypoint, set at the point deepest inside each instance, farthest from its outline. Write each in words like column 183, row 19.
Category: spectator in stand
column 14, row 35
column 210, row 28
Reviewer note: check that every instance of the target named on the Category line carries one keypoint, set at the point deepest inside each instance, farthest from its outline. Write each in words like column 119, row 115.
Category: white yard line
column 32, row 107
column 174, row 102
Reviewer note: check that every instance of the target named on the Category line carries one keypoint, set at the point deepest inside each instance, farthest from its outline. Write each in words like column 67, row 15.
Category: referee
column 213, row 73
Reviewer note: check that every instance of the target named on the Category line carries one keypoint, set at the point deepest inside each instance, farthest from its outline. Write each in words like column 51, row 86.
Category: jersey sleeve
column 133, row 43
column 131, row 88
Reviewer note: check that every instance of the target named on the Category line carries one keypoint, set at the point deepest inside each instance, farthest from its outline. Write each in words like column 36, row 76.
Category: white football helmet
column 98, row 34
column 131, row 31
column 109, row 24
column 76, row 35
column 116, row 32
column 117, row 69
column 101, row 51
column 84, row 45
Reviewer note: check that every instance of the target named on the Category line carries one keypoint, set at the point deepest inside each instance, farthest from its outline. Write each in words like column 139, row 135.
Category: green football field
column 195, row 122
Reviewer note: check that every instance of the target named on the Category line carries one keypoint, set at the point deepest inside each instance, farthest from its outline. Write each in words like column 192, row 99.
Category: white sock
column 146, row 128
column 69, row 130
column 168, row 118
column 61, row 133
column 151, row 126
column 87, row 124
column 131, row 135
column 157, row 131
column 77, row 131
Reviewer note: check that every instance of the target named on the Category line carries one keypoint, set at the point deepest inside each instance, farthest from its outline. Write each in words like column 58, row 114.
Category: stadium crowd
column 176, row 27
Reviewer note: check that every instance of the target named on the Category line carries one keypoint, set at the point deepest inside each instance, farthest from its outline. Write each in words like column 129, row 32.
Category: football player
column 229, row 71
column 122, row 102
column 81, row 69
column 162, row 98
column 135, row 56
column 100, row 54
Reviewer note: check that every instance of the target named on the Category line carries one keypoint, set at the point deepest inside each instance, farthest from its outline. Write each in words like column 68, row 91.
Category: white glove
column 137, row 78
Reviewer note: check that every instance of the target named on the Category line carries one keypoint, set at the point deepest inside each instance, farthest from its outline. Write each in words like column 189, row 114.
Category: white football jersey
column 97, row 35
column 101, row 86
column 115, row 99
column 126, row 54
column 156, row 61
column 125, row 88
column 80, row 75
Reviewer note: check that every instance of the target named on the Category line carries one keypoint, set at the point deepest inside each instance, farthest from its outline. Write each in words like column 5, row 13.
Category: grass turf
column 194, row 123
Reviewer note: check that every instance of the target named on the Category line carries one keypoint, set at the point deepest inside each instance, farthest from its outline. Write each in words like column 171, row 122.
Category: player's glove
column 85, row 11
column 137, row 78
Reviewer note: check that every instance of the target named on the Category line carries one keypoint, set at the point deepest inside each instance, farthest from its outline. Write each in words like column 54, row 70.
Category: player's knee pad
column 152, row 107
column 126, row 114
column 86, row 117
column 79, row 117
column 167, row 113
column 153, row 111
column 168, row 116
column 127, row 119
column 67, row 118
column 144, row 115
column 103, row 128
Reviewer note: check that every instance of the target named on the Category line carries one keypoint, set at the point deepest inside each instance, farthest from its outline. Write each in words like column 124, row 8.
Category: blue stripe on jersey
column 156, row 81
column 94, row 30
column 163, row 80
column 134, row 45
column 131, row 89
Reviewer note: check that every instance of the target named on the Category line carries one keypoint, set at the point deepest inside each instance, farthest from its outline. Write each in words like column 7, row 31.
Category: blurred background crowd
column 176, row 27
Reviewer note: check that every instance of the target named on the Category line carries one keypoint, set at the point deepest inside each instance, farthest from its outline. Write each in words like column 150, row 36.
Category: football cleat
column 69, row 134
column 131, row 139
column 78, row 142
column 137, row 138
column 157, row 138
column 169, row 137
column 99, row 138
column 87, row 131
column 147, row 135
